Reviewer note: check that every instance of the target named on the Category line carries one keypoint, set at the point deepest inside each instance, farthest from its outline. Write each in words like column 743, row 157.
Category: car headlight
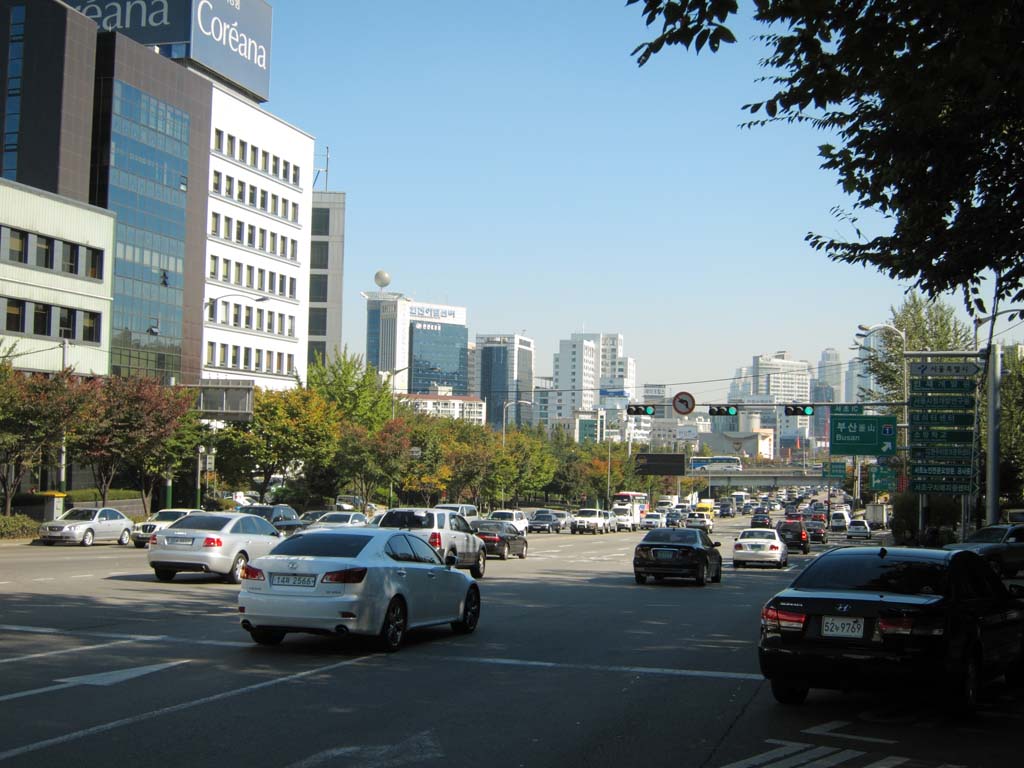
column 71, row 528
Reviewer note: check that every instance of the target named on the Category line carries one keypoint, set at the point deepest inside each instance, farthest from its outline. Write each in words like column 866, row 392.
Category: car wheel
column 140, row 544
column 234, row 576
column 522, row 555
column 125, row 537
column 790, row 694
column 504, row 552
column 717, row 578
column 49, row 543
column 640, row 578
column 470, row 612
column 266, row 636
column 163, row 574
column 736, row 564
column 392, row 631
column 964, row 696
column 702, row 576
column 88, row 538
column 807, row 549
column 481, row 564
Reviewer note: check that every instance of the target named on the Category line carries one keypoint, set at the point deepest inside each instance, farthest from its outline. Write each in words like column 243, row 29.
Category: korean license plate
column 292, row 580
column 664, row 554
column 757, row 547
column 841, row 626
column 179, row 540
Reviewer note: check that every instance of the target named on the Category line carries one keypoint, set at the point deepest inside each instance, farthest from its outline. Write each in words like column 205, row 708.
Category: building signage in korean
column 846, row 409
column 862, row 435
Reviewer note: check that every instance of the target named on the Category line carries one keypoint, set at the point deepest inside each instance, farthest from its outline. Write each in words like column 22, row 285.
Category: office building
column 576, row 374
column 506, row 377
column 543, row 395
column 776, row 379
column 440, row 401
column 326, row 275
column 830, row 369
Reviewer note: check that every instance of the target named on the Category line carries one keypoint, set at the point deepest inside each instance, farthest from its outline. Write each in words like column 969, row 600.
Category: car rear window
column 672, row 536
column 502, row 516
column 406, row 518
column 322, row 545
column 201, row 522
column 873, row 573
column 769, row 534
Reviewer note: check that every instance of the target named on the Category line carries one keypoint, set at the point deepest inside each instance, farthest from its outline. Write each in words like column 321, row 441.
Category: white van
column 839, row 521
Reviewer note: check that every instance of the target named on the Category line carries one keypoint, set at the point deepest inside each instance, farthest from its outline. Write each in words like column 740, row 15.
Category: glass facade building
column 12, row 92
column 438, row 355
column 494, row 378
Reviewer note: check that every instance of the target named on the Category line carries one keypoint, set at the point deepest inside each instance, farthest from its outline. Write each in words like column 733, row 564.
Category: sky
column 510, row 157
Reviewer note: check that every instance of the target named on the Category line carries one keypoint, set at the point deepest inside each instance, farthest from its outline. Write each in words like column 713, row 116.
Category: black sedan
column 816, row 531
column 761, row 521
column 1001, row 545
column 545, row 520
column 674, row 519
column 501, row 539
column 861, row 617
column 686, row 553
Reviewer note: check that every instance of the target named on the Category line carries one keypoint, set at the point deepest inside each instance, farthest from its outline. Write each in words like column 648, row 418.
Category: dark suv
column 281, row 516
column 794, row 533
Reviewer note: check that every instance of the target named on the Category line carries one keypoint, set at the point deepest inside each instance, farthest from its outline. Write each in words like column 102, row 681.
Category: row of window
column 240, row 316
column 12, row 102
column 37, row 319
column 232, row 272
column 249, row 359
column 239, row 232
column 255, row 197
column 251, row 155
column 40, row 251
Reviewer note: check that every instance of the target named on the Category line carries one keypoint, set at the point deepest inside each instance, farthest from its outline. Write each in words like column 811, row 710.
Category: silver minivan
column 468, row 511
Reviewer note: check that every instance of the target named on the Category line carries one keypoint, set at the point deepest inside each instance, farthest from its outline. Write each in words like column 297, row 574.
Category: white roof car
column 760, row 546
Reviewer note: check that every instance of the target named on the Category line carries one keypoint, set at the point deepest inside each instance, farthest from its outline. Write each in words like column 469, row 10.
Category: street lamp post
column 504, row 415
column 200, row 450
column 391, row 481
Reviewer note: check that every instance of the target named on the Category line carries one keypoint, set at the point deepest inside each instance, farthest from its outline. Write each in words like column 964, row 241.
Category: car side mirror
column 450, row 560
column 716, row 543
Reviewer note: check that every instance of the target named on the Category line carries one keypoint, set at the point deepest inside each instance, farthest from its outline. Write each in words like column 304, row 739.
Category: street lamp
column 391, row 482
column 980, row 321
column 200, row 450
column 504, row 415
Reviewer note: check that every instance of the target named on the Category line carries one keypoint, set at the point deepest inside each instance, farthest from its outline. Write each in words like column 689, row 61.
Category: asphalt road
column 573, row 665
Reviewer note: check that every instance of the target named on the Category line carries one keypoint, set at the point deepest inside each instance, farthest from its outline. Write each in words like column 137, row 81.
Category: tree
column 354, row 388
column 926, row 101
column 167, row 451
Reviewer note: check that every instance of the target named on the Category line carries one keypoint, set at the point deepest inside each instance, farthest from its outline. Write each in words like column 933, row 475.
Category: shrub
column 18, row 527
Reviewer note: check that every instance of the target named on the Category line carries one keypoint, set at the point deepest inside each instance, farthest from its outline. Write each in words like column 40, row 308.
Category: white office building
column 576, row 376
column 441, row 402
column 326, row 275
column 778, row 379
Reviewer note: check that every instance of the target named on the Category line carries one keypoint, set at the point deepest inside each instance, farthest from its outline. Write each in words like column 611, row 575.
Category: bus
column 632, row 502
column 713, row 464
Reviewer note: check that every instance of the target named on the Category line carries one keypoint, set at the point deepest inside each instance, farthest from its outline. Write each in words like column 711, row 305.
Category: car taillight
column 773, row 548
column 435, row 540
column 774, row 619
column 897, row 625
column 152, row 539
column 803, row 535
column 211, row 541
column 252, row 574
column 737, row 545
column 347, row 576
column 490, row 537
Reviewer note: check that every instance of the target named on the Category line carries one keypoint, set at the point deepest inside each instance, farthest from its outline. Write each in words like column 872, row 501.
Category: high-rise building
column 830, row 369
column 778, row 379
column 506, row 377
column 576, row 374
column 326, row 275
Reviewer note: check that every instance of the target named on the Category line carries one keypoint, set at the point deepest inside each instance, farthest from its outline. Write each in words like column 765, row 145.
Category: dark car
column 281, row 516
column 1002, row 546
column 860, row 617
column 816, row 531
column 726, row 510
column 760, row 521
column 686, row 553
column 545, row 520
column 674, row 519
column 501, row 539
column 794, row 533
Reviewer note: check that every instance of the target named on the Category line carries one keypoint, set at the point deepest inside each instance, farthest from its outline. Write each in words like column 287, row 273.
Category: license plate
column 179, row 540
column 841, row 626
column 292, row 580
column 664, row 554
column 756, row 547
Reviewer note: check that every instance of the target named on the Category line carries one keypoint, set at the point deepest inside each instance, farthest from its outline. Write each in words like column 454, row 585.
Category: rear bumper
column 860, row 669
column 766, row 558
column 292, row 613
column 182, row 562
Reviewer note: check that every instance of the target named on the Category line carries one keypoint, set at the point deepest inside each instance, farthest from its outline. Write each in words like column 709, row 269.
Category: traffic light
column 799, row 410
column 722, row 410
column 639, row 410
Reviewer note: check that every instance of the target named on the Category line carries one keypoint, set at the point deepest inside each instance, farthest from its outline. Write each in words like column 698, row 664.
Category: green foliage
column 926, row 102
column 355, row 389
column 18, row 527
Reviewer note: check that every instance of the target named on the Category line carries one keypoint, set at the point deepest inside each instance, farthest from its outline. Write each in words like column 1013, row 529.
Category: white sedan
column 653, row 520
column 858, row 529
column 338, row 520
column 760, row 546
column 364, row 581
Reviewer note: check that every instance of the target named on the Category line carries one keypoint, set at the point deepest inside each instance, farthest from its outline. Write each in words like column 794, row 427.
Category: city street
column 573, row 664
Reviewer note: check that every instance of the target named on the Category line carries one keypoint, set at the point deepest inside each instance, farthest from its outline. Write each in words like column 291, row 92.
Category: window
column 271, row 282
column 321, row 223
column 247, row 358
column 280, row 362
column 295, row 211
column 91, row 326
column 211, row 353
column 231, row 146
column 295, row 175
column 243, row 150
column 228, row 227
column 225, row 312
column 241, row 191
column 263, row 240
column 211, row 311
column 216, row 182
column 67, row 323
column 213, row 267
column 218, row 140
column 265, row 157
column 236, row 315
column 286, row 170
column 44, row 252
column 259, row 359
column 259, row 320
column 274, row 204
column 291, row 364
column 41, row 319
column 318, row 255
column 291, row 287
column 295, row 250
column 318, row 321
column 282, row 282
column 248, row 276
column 252, row 195
column 239, row 231
column 263, row 199
column 275, row 168
column 254, row 156
column 248, row 319
column 69, row 258
column 318, row 288
column 15, row 315
column 17, row 249
column 225, row 274
column 260, row 280
column 291, row 325
column 94, row 263
column 234, row 356
column 250, row 238
column 229, row 186
column 224, row 355
column 273, row 242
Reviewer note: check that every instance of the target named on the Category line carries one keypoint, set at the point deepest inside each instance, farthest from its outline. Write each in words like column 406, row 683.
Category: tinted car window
column 322, row 545
column 502, row 516
column 243, row 525
column 494, row 527
column 673, row 536
column 80, row 514
column 406, row 518
column 423, row 551
column 398, row 549
column 201, row 522
column 876, row 574
column 336, row 517
column 988, row 535
column 261, row 526
column 167, row 516
column 459, row 524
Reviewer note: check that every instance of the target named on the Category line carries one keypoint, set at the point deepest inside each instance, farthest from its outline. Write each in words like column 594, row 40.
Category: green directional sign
column 940, row 452
column 946, row 436
column 941, row 470
column 883, row 479
column 858, row 435
column 941, row 419
column 943, row 402
column 940, row 486
column 943, row 385
column 844, row 409
column 834, row 469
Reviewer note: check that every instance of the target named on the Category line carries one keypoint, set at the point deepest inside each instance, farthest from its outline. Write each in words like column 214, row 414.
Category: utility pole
column 995, row 355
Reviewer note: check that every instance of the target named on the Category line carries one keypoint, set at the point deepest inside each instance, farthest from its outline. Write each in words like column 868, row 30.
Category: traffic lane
column 34, row 562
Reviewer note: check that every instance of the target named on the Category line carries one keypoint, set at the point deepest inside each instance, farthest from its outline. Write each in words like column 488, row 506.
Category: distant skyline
column 513, row 159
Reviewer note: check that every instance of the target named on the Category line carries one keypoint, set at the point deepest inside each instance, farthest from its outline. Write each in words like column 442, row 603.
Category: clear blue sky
column 511, row 157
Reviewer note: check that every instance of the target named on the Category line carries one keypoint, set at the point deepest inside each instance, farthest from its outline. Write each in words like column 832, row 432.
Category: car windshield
column 758, row 535
column 490, row 527
column 327, row 544
column 815, row 525
column 407, row 518
column 501, row 516
column 587, row 513
column 80, row 514
column 874, row 573
column 336, row 517
column 672, row 536
column 543, row 516
column 202, row 522
column 168, row 515
column 988, row 535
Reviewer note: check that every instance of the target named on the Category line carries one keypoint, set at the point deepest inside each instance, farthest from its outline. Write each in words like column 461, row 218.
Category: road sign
column 845, row 409
column 945, row 436
column 834, row 469
column 944, row 369
column 941, row 452
column 862, row 435
column 941, row 419
column 687, row 432
column 920, row 471
column 661, row 463
column 943, row 385
column 882, row 479
column 939, row 486
column 943, row 401
column 683, row 403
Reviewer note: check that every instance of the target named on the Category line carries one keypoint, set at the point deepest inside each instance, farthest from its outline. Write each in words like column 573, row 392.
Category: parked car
column 362, row 581
column 686, row 553
column 211, row 542
column 339, row 520
column 760, row 521
column 700, row 520
column 653, row 520
column 1002, row 546
column 468, row 511
column 310, row 517
column 501, row 539
column 892, row 617
column 514, row 516
column 281, row 516
column 545, row 520
column 85, row 525
column 760, row 546
column 794, row 533
column 447, row 532
column 858, row 529
column 590, row 521
column 816, row 531
column 142, row 531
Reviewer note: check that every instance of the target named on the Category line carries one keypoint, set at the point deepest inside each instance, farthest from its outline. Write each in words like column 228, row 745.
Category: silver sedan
column 338, row 520
column 211, row 542
column 84, row 525
column 760, row 546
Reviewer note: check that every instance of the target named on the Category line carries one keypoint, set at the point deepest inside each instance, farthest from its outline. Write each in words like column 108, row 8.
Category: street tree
column 354, row 387
column 923, row 105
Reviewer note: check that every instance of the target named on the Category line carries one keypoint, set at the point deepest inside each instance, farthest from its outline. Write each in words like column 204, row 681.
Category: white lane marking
column 117, row 573
column 888, row 762
column 416, row 748
column 64, row 650
column 829, row 729
column 101, row 679
column 124, row 636
column 836, row 759
column 45, row 578
column 83, row 576
column 804, row 758
column 786, row 749
column 663, row 671
column 6, row 582
column 143, row 717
